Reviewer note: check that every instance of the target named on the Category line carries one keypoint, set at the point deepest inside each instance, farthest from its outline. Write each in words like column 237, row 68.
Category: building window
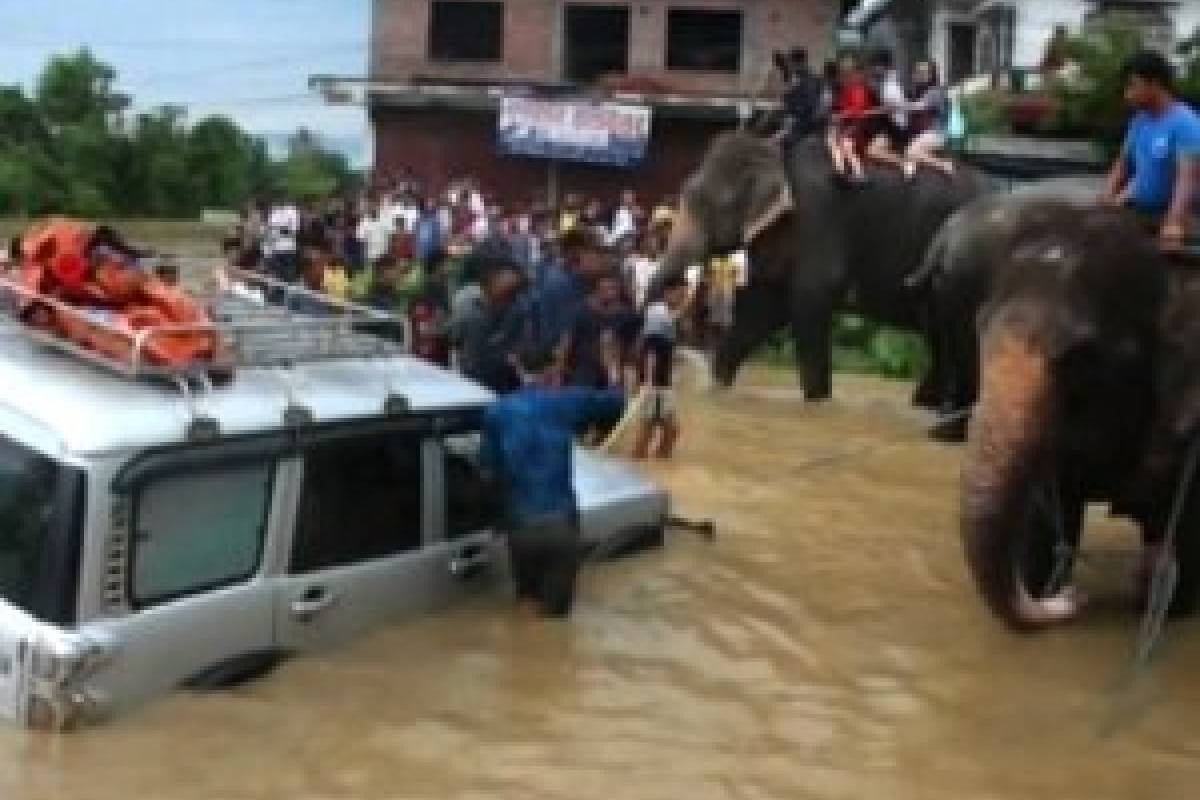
column 466, row 30
column 597, row 41
column 704, row 39
column 361, row 500
column 185, row 543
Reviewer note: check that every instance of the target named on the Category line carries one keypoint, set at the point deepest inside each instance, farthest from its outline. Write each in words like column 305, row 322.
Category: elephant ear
column 768, row 199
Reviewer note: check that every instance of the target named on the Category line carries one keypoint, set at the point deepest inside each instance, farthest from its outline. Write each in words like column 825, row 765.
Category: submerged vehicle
column 158, row 531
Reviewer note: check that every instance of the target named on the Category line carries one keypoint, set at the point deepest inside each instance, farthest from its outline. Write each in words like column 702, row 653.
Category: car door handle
column 314, row 600
column 470, row 561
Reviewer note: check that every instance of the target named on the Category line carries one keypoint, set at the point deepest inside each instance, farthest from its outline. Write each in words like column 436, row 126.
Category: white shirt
column 282, row 225
column 475, row 203
column 479, row 227
column 622, row 224
column 393, row 213
column 659, row 321
column 891, row 97
column 641, row 271
column 375, row 233
column 408, row 215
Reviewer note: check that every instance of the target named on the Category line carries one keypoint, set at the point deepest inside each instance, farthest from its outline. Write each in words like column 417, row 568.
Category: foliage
column 1092, row 102
column 985, row 113
column 861, row 346
column 75, row 147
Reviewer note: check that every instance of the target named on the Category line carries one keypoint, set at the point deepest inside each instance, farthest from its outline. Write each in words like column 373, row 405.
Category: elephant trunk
column 1006, row 456
column 686, row 246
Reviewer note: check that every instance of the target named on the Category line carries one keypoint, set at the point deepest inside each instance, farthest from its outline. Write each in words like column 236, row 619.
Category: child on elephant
column 854, row 108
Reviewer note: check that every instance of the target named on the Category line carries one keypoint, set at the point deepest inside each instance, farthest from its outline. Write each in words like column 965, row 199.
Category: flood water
column 827, row 645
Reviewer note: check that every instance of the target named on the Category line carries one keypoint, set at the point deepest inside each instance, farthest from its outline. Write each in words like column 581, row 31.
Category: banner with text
column 595, row 133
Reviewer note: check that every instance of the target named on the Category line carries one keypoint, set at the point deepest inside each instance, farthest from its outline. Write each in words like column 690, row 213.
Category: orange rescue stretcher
column 80, row 282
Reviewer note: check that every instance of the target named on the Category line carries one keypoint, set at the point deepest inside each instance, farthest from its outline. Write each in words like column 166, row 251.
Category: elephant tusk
column 1063, row 606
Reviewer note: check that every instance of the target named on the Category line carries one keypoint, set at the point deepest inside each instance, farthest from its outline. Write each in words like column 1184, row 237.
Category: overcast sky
column 249, row 59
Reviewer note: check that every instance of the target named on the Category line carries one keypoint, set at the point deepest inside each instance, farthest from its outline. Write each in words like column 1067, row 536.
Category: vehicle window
column 470, row 504
column 200, row 530
column 29, row 492
column 361, row 499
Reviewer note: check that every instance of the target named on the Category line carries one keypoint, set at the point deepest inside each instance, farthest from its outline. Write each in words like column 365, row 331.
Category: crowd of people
column 480, row 284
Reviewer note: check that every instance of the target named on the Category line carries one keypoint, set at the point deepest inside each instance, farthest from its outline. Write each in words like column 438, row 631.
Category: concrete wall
column 533, row 41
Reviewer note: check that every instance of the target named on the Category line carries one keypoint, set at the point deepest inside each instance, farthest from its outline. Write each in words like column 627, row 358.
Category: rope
column 1166, row 567
column 1131, row 688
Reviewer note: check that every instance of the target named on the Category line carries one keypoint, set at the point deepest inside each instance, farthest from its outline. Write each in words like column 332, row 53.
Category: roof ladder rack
column 260, row 322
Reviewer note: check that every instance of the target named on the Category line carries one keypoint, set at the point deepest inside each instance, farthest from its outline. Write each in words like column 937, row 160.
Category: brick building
column 438, row 69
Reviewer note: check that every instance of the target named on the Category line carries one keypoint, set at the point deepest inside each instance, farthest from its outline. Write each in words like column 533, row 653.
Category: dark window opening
column 361, row 500
column 41, row 505
column 962, row 52
column 466, row 30
column 704, row 40
column 597, row 41
column 472, row 504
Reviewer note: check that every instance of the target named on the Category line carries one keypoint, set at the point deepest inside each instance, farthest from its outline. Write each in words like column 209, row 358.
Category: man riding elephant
column 1156, row 174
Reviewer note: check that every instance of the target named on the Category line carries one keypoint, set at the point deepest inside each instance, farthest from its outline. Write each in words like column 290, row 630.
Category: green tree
column 311, row 172
column 220, row 159
column 20, row 121
column 159, row 179
column 72, row 148
column 1094, row 103
column 78, row 89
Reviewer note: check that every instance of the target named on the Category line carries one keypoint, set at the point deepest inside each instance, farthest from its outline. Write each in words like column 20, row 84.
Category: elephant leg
column 759, row 311
column 955, row 331
column 812, row 329
column 930, row 392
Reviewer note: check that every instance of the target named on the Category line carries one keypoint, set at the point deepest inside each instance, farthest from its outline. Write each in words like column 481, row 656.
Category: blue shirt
column 428, row 235
column 557, row 303
column 528, row 444
column 1154, row 146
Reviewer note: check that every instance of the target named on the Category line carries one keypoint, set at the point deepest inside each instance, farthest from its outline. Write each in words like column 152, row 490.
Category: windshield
column 37, row 519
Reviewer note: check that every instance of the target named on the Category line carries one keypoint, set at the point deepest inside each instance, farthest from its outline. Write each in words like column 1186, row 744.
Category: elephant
column 1089, row 392
column 956, row 273
column 813, row 246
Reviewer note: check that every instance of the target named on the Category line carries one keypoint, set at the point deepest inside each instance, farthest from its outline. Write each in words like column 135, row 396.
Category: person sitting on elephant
column 1156, row 172
column 889, row 133
column 802, row 100
column 928, row 115
column 854, row 110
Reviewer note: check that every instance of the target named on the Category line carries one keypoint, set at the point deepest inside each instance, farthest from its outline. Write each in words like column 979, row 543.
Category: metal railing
column 257, row 322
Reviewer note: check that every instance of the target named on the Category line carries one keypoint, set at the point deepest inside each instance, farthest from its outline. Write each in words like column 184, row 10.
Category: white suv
column 152, row 537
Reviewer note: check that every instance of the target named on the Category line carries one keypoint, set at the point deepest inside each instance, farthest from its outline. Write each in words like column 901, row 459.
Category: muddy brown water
column 827, row 645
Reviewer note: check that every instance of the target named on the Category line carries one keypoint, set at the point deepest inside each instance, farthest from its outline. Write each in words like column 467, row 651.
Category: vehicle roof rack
column 261, row 322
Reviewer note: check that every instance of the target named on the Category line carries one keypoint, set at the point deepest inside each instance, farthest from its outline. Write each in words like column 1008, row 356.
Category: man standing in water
column 527, row 453
column 1156, row 173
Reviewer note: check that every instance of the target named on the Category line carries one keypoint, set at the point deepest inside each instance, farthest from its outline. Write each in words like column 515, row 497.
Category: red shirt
column 854, row 99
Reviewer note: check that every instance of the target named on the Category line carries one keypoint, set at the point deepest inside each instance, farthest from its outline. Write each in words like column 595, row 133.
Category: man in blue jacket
column 528, row 444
